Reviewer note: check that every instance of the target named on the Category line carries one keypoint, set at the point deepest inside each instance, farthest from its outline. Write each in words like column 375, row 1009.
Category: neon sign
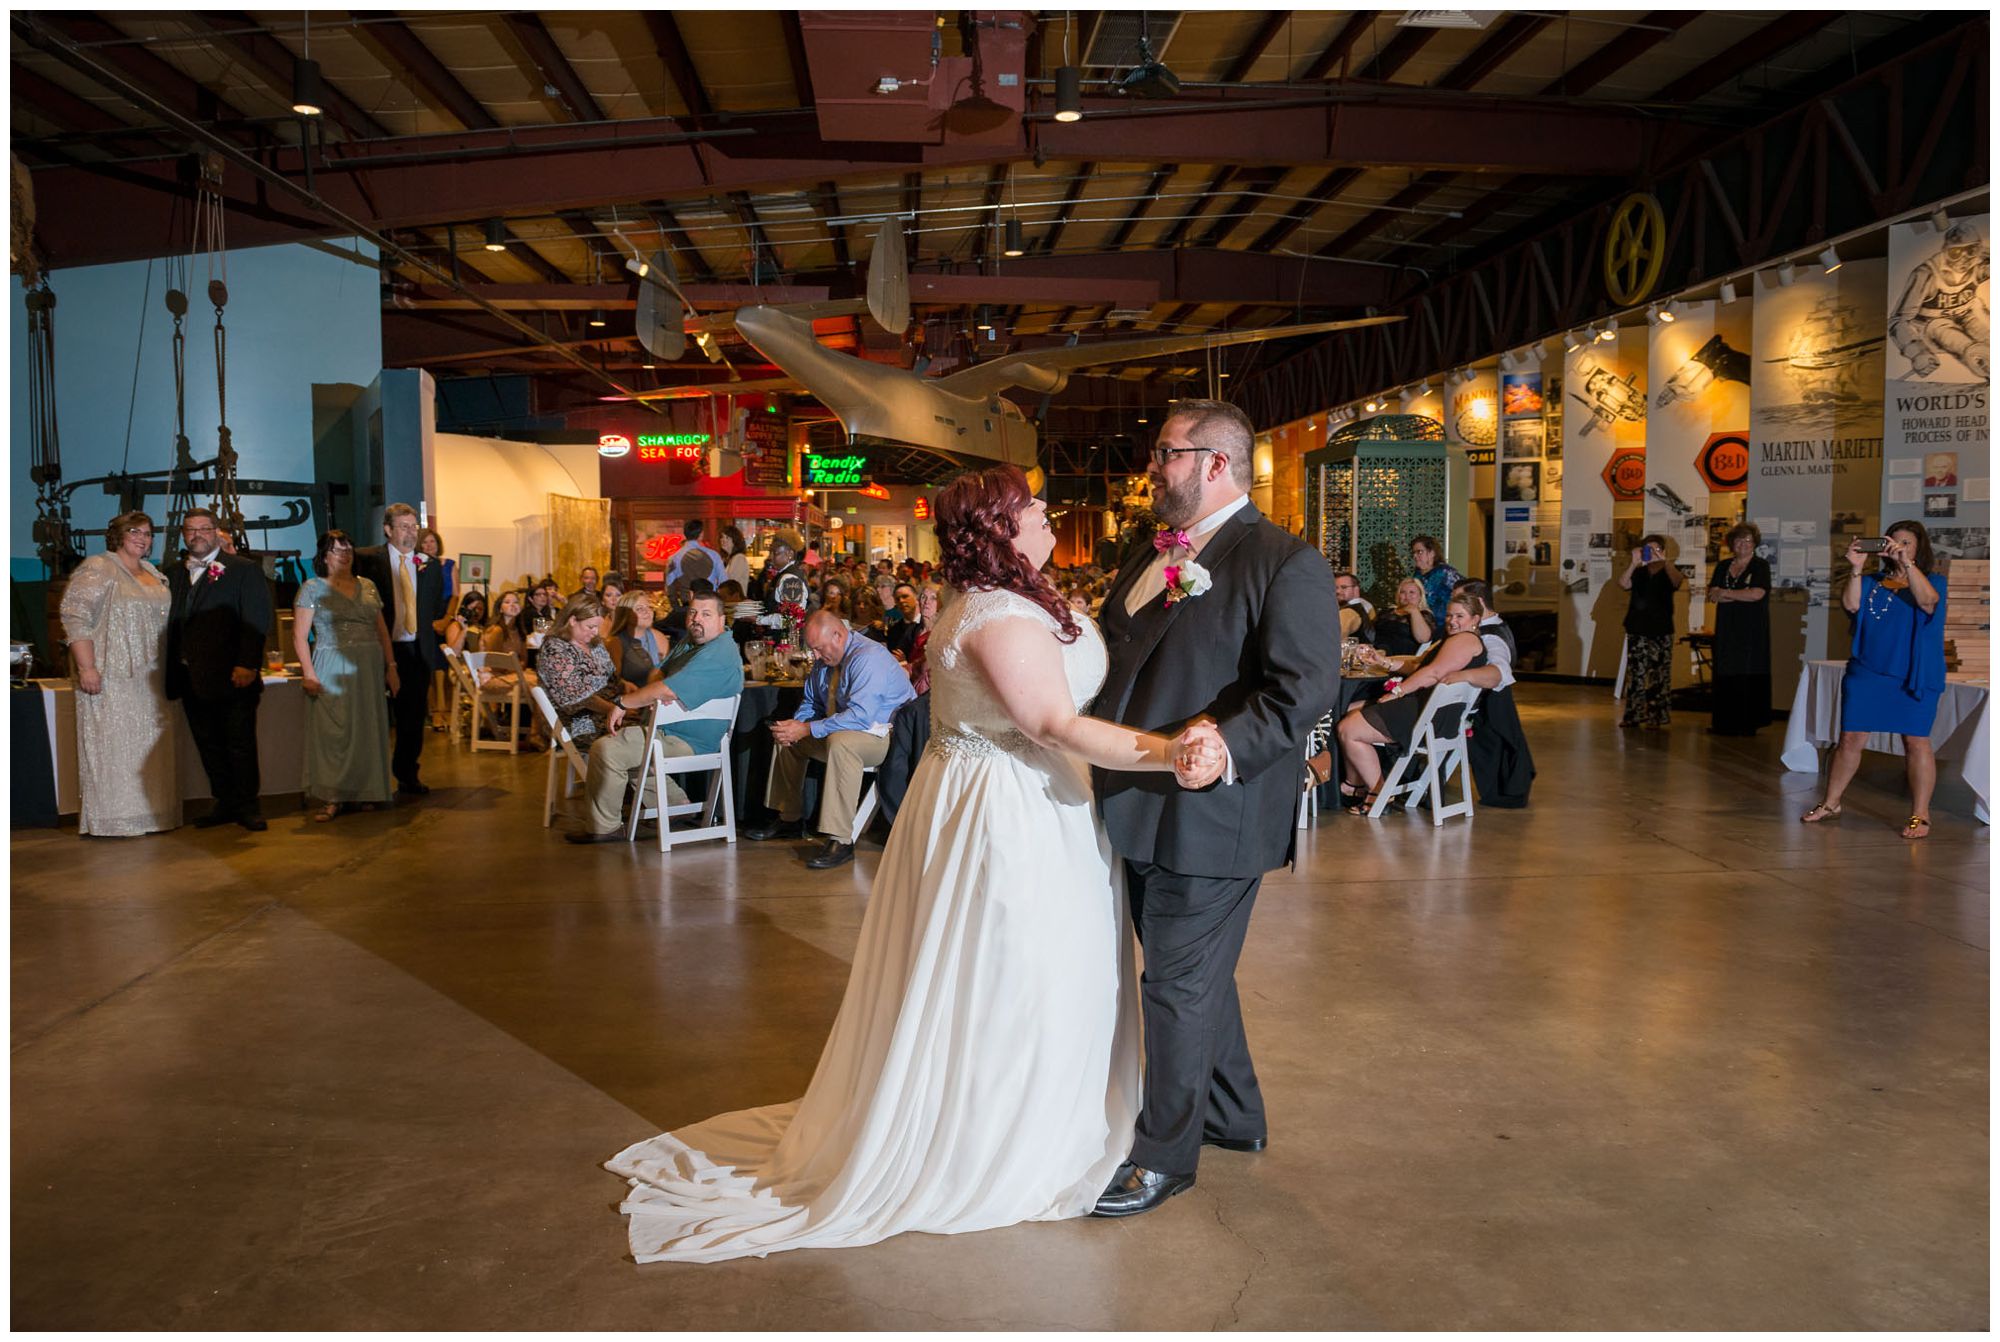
column 613, row 444
column 660, row 549
column 923, row 509
column 672, row 446
column 835, row 472
column 874, row 491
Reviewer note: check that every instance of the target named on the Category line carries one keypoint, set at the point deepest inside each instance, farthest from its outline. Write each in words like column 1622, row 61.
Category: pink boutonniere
column 1186, row 579
column 215, row 571
column 420, row 559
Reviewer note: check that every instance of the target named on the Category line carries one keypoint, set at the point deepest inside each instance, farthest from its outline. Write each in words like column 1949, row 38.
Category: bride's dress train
column 984, row 1066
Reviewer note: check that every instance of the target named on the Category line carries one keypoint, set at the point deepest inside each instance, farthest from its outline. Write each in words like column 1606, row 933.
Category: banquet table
column 1959, row 734
column 280, row 742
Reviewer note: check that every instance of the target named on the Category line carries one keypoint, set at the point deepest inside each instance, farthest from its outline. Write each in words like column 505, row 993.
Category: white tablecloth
column 1958, row 734
column 280, row 742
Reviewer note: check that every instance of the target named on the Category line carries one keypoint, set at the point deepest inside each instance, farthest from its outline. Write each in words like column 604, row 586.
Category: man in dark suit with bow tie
column 1226, row 619
column 215, row 664
column 412, row 591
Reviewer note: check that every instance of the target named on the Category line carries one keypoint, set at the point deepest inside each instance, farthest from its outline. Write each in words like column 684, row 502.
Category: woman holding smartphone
column 1649, row 633
column 1895, row 672
column 1740, row 590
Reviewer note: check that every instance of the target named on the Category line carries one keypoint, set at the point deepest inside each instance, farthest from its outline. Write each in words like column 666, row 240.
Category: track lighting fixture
column 496, row 236
column 1786, row 272
column 308, row 89
column 1609, row 331
column 1939, row 220
column 1829, row 259
column 1572, row 342
column 1728, row 294
column 1013, row 245
column 597, row 317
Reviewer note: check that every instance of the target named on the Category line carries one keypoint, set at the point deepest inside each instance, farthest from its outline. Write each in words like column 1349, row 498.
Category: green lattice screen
column 1403, row 488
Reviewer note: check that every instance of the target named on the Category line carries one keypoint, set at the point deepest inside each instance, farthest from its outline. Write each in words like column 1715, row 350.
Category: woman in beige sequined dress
column 114, row 614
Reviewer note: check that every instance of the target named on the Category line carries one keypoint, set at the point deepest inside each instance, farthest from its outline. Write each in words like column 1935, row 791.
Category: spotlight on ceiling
column 597, row 317
column 1510, row 361
column 1728, row 294
column 1572, row 342
column 1150, row 79
column 1829, row 259
column 1939, row 220
column 1786, row 273
column 1424, row 390
column 983, row 318
column 1013, row 245
column 1609, row 331
column 1373, row 406
column 1069, row 93
column 308, row 89
column 1667, row 313
column 496, row 236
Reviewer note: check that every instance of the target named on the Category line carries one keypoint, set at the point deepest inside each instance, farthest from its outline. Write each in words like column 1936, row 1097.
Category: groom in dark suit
column 215, row 664
column 1227, row 619
column 412, row 590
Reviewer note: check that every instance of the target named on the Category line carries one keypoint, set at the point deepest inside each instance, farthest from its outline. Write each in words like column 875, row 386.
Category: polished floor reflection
column 1650, row 1054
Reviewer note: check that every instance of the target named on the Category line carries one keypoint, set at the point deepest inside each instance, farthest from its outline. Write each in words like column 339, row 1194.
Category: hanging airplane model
column 961, row 415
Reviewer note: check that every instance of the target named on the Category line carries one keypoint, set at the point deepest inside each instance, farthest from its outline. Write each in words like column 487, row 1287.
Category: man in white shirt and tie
column 411, row 586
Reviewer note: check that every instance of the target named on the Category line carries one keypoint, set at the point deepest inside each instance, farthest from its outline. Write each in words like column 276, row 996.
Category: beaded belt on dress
column 949, row 741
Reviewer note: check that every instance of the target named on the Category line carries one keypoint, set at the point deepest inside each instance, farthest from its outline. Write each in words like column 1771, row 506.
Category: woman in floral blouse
column 576, row 670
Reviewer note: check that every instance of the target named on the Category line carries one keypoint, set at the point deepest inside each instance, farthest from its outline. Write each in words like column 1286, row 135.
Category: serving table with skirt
column 1959, row 733
column 280, row 743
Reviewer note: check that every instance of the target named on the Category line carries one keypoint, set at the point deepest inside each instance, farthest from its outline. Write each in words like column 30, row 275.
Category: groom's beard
column 1178, row 505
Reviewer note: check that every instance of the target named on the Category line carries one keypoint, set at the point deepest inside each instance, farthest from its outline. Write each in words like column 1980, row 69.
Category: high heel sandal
column 1361, row 807
column 326, row 812
column 1818, row 813
column 1913, row 824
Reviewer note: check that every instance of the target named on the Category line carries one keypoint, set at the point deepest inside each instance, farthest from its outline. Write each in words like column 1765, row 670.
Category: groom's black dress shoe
column 777, row 829
column 1250, row 1144
column 834, row 854
column 1134, row 1190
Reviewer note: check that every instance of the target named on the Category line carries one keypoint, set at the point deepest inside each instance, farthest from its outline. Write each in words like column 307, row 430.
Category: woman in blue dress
column 1439, row 578
column 1895, row 673
column 350, row 673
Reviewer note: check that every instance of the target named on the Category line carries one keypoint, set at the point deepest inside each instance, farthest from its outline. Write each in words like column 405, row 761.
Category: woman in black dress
column 1401, row 632
column 1649, row 633
column 1392, row 719
column 1741, row 591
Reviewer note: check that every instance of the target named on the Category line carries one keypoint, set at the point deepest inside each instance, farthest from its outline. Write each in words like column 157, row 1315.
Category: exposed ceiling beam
column 405, row 53
column 1324, row 192
column 1334, row 58
column 519, row 248
column 1498, row 197
column 182, row 94
column 913, row 199
column 1620, row 52
column 673, row 54
column 1246, row 60
column 831, row 193
column 683, row 245
column 1393, row 57
column 1417, row 192
column 1053, row 236
column 1180, row 225
column 552, row 67
column 1760, row 46
column 1132, row 217
column 982, row 238
column 273, row 61
column 1255, row 185
column 795, row 51
column 1491, row 54
column 55, row 103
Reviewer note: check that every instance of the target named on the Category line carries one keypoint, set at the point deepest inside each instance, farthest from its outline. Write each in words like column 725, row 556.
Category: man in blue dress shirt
column 705, row 667
column 691, row 544
column 844, row 721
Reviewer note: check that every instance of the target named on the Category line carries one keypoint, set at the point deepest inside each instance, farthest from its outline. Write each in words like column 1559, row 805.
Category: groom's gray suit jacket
column 1260, row 653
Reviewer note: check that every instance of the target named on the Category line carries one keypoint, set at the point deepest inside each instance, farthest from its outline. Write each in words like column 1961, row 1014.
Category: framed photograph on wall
column 475, row 570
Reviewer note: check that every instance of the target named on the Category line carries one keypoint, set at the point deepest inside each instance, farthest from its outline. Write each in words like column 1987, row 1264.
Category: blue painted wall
column 297, row 316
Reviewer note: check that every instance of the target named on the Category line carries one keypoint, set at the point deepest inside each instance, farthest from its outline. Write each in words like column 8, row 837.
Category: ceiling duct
column 881, row 76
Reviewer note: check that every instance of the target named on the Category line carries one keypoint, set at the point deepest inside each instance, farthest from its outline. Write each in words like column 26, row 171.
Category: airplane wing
column 694, row 389
column 832, row 307
column 1044, row 369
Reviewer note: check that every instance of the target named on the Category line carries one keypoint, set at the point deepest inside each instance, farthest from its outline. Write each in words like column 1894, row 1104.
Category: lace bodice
column 964, row 711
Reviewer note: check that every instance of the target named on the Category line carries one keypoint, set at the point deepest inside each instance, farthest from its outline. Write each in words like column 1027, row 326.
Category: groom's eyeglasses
column 1159, row 455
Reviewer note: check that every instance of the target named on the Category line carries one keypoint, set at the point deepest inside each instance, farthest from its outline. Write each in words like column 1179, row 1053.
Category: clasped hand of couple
column 1199, row 754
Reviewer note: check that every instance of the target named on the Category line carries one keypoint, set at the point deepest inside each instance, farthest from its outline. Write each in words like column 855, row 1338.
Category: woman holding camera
column 1741, row 591
column 1649, row 633
column 1895, row 672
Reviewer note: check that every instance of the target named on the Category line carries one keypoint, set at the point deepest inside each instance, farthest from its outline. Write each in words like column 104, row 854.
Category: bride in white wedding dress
column 984, row 1066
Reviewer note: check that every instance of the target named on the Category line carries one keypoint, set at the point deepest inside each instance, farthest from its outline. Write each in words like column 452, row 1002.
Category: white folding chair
column 1318, row 739
column 1435, row 755
column 651, row 802
column 488, row 697
column 464, row 687
column 865, row 812
column 562, row 755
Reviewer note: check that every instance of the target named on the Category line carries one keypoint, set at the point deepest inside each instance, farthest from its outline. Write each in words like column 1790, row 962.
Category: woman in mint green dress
column 350, row 673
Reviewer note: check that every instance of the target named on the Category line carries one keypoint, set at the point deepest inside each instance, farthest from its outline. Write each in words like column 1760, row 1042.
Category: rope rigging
column 53, row 541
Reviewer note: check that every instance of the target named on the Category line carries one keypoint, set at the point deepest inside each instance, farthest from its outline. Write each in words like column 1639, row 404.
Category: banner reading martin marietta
column 1936, row 438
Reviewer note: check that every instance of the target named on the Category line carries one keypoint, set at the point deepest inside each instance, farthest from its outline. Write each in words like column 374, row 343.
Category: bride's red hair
column 976, row 529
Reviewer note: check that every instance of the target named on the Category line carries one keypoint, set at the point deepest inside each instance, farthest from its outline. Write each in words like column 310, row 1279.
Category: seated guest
column 576, row 671
column 511, row 626
column 636, row 648
column 1357, row 615
column 927, row 608
column 833, row 597
column 850, row 698
column 1407, row 628
column 612, row 589
column 1392, row 719
column 587, row 582
column 741, row 613
column 910, row 624
column 702, row 669
column 866, row 616
column 542, row 608
column 464, row 622
column 1502, row 767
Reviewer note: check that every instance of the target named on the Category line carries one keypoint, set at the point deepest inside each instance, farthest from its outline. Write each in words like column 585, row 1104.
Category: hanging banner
column 1937, row 439
column 1815, row 447
column 1472, row 419
column 1604, row 413
column 1698, row 437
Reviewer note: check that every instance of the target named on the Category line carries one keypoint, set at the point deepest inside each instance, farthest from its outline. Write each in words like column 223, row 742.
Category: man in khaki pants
column 844, row 721
column 704, row 668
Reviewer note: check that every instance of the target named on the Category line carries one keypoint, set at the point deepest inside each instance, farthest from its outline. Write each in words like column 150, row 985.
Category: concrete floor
column 1650, row 1054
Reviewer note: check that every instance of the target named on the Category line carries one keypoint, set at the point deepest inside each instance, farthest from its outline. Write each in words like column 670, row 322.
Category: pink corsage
column 215, row 571
column 420, row 559
column 1167, row 540
column 1184, row 580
